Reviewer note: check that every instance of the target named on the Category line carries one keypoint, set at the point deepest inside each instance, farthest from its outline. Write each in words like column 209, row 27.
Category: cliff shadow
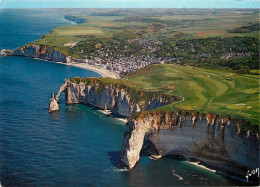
column 148, row 148
column 114, row 157
column 62, row 99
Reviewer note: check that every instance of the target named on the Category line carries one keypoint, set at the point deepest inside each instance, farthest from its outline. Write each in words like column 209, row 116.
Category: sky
column 129, row 3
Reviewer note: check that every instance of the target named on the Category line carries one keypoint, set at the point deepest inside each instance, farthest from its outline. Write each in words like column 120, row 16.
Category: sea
column 77, row 146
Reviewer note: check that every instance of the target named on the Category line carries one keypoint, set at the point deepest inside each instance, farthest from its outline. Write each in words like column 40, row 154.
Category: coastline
column 221, row 168
column 103, row 72
column 109, row 113
column 100, row 70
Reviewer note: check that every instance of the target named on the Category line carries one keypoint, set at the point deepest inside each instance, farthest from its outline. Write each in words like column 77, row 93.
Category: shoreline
column 218, row 167
column 103, row 72
column 100, row 70
column 231, row 171
column 109, row 113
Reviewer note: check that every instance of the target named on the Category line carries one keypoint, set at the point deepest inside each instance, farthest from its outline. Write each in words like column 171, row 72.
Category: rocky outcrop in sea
column 54, row 106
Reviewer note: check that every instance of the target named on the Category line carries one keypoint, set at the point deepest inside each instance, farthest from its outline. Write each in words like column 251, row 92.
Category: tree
column 244, row 70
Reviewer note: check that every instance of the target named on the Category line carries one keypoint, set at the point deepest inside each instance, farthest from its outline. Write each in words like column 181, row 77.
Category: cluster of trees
column 115, row 46
column 152, row 21
column 217, row 46
column 75, row 19
column 246, row 29
column 142, row 19
column 239, row 64
column 237, row 53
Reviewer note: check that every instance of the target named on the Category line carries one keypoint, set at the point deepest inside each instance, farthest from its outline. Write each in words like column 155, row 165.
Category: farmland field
column 174, row 24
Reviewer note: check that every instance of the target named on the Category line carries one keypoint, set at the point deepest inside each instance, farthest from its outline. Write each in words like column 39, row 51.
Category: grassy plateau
column 204, row 90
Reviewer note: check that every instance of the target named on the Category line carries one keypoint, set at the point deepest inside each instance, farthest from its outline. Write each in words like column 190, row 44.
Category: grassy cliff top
column 136, row 94
column 173, row 116
column 204, row 90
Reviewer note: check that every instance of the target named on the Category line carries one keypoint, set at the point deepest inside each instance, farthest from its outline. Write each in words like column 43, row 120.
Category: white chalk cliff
column 37, row 51
column 110, row 97
column 212, row 138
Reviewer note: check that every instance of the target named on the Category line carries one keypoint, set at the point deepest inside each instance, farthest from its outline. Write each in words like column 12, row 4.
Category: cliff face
column 208, row 138
column 109, row 97
column 6, row 52
column 36, row 51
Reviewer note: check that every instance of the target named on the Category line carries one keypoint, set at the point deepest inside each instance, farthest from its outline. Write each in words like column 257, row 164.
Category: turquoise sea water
column 77, row 146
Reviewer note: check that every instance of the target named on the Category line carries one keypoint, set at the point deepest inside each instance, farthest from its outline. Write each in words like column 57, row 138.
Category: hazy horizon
column 130, row 4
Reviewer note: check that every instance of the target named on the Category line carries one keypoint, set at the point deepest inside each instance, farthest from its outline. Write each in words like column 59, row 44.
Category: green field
column 174, row 24
column 204, row 90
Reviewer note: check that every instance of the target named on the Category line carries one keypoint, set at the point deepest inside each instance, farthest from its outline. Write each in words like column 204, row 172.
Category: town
column 123, row 63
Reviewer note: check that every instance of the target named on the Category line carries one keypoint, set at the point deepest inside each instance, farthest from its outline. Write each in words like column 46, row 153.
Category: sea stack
column 54, row 106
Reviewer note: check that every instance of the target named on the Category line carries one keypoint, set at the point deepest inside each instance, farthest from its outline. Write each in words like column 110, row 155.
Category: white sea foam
column 108, row 112
column 201, row 166
column 120, row 169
